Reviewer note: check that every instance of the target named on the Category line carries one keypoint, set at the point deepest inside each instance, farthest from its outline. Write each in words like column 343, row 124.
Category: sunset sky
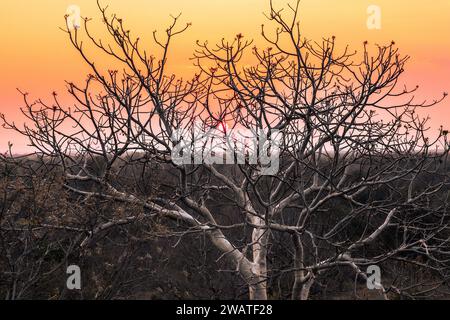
column 35, row 54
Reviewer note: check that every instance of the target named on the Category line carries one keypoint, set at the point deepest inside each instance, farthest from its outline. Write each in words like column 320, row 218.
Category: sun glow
column 37, row 58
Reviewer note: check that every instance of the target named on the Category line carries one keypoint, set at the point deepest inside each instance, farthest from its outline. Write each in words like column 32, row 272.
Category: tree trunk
column 258, row 291
column 303, row 280
column 247, row 269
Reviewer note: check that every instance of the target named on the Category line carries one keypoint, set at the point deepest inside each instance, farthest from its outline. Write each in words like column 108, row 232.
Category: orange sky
column 36, row 57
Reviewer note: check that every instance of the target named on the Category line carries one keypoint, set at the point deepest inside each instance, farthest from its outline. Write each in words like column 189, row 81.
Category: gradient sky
column 36, row 57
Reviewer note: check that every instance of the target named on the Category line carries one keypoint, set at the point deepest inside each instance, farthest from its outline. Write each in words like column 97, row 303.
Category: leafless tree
column 362, row 179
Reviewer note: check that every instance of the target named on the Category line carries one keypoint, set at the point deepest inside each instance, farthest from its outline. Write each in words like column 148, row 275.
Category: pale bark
column 247, row 269
column 259, row 248
column 303, row 280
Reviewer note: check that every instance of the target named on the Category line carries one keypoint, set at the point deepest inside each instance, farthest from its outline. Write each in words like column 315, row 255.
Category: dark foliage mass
column 359, row 179
column 44, row 228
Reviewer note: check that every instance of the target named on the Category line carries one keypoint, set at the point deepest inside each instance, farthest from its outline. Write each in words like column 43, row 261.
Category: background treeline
column 44, row 228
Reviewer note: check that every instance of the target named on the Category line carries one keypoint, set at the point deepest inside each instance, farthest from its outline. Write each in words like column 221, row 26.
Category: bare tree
column 361, row 182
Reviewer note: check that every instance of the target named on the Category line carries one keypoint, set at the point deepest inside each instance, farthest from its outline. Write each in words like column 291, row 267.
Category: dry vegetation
column 362, row 180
